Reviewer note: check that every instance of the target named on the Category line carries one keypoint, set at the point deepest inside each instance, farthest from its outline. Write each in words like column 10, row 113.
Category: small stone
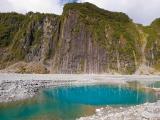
column 111, row 115
column 144, row 119
column 98, row 110
column 140, row 110
column 125, row 113
column 146, row 114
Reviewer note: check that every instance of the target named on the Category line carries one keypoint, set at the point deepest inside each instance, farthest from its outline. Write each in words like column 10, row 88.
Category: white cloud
column 141, row 11
column 5, row 6
column 24, row 6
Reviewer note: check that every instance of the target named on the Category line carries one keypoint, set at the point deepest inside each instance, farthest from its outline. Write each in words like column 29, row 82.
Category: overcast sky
column 141, row 11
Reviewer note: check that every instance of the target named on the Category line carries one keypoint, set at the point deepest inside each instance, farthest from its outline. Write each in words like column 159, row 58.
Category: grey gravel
column 147, row 111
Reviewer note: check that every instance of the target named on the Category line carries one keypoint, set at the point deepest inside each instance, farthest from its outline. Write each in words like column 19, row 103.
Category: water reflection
column 101, row 95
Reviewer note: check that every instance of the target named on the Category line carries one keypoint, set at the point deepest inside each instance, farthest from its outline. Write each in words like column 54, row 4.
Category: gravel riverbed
column 21, row 86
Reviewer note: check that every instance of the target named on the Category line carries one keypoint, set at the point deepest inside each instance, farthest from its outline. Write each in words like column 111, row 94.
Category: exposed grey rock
column 62, row 49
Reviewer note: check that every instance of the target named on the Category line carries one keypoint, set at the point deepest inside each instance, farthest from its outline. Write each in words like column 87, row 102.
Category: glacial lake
column 71, row 102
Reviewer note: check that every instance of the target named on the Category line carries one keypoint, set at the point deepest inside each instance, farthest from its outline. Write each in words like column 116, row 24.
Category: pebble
column 98, row 110
column 140, row 110
column 146, row 114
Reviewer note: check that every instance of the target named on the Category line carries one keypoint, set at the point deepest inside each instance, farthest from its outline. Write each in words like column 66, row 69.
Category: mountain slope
column 84, row 39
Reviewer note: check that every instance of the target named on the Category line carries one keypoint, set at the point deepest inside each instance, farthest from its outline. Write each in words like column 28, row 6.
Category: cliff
column 83, row 40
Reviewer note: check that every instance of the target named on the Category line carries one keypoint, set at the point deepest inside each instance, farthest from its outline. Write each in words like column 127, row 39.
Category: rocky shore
column 20, row 89
column 147, row 111
column 21, row 86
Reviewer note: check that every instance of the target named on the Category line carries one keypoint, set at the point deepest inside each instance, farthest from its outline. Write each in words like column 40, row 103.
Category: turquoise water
column 70, row 102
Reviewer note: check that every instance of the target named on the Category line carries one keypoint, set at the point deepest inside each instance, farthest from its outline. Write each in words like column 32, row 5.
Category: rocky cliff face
column 152, row 50
column 84, row 39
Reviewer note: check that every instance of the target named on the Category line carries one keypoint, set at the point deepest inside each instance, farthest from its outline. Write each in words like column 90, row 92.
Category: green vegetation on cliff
column 9, row 26
column 97, row 20
column 114, row 35
column 152, row 36
column 88, row 9
column 152, row 48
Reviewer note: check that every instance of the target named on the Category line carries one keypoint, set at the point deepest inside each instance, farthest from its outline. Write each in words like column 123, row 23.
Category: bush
column 101, row 43
column 130, row 70
column 95, row 12
column 9, row 27
column 41, row 17
column 121, row 51
column 49, row 54
column 38, row 33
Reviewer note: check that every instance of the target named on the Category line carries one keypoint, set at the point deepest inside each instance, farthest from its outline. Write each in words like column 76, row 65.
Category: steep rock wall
column 79, row 52
column 78, row 42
